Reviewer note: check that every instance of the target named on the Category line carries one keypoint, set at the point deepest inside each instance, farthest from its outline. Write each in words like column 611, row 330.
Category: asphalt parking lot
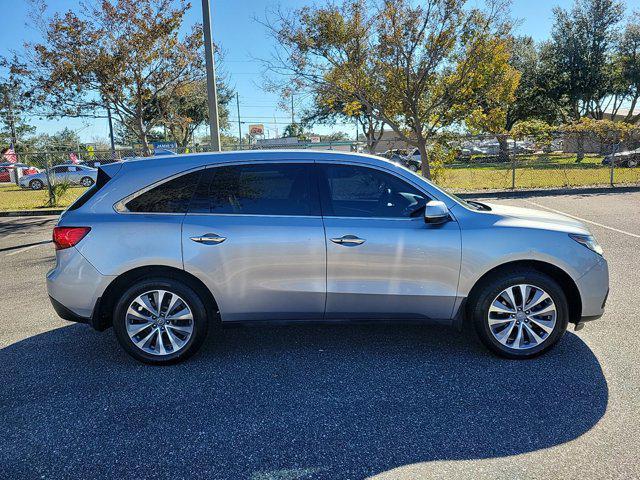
column 334, row 402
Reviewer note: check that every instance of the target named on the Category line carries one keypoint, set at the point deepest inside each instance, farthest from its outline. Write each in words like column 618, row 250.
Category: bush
column 57, row 191
column 439, row 155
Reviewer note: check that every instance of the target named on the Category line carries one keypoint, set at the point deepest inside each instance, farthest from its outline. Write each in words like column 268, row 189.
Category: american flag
column 74, row 158
column 10, row 154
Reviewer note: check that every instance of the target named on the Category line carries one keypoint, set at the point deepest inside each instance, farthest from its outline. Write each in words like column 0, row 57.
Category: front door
column 383, row 261
column 254, row 236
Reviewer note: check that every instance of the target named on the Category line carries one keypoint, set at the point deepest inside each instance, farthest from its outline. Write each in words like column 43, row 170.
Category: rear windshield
column 101, row 181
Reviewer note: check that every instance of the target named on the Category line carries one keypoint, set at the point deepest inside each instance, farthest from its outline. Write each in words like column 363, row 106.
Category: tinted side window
column 260, row 189
column 354, row 191
column 169, row 197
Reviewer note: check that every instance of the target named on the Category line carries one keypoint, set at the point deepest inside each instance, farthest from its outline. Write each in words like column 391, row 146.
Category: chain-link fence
column 552, row 160
column 48, row 158
column 458, row 162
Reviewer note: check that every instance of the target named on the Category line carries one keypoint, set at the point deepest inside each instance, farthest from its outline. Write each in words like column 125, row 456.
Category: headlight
column 588, row 241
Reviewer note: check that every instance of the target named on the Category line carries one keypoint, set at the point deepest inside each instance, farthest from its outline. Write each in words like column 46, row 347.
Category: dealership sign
column 164, row 148
column 257, row 129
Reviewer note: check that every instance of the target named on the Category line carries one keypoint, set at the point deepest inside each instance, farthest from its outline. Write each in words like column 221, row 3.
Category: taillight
column 65, row 237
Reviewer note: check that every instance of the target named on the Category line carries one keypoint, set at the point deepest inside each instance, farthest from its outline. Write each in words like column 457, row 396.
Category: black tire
column 479, row 303
column 36, row 185
column 86, row 181
column 195, row 303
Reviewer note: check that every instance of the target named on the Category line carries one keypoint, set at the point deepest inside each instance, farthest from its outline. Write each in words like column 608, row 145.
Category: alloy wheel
column 159, row 322
column 522, row 316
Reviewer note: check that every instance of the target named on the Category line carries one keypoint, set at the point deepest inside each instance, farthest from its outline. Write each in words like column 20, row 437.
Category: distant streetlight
column 212, row 94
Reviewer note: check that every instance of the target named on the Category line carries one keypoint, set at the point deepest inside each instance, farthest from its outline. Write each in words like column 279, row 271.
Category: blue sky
column 242, row 40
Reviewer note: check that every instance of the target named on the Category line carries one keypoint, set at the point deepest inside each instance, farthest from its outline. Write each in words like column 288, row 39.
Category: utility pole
column 239, row 123
column 113, row 142
column 211, row 77
column 10, row 118
column 292, row 115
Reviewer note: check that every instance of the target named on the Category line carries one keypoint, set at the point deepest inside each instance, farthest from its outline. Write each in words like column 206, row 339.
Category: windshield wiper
column 479, row 205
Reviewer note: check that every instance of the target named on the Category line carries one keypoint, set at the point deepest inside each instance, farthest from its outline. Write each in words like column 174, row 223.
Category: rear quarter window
column 101, row 181
column 172, row 196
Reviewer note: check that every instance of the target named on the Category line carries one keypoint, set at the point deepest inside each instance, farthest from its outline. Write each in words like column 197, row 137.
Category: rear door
column 383, row 261
column 254, row 236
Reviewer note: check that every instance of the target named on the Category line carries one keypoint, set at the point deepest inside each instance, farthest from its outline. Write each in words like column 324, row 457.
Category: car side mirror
column 436, row 213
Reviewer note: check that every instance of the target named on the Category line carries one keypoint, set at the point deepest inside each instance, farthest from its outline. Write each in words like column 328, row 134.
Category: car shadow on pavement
column 285, row 402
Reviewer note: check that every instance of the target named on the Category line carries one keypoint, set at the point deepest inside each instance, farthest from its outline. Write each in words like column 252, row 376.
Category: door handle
column 348, row 240
column 209, row 239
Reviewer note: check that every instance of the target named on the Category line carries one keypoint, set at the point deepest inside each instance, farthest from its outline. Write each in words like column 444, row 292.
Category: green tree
column 186, row 108
column 580, row 54
column 327, row 109
column 338, row 136
column 124, row 54
column 433, row 62
column 627, row 69
column 14, row 127
column 528, row 101
column 294, row 130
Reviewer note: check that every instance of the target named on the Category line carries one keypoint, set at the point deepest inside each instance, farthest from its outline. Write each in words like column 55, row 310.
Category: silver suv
column 163, row 249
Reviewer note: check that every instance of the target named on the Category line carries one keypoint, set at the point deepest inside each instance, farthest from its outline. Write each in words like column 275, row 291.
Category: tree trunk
column 146, row 148
column 424, row 159
column 371, row 141
column 503, row 141
column 579, row 147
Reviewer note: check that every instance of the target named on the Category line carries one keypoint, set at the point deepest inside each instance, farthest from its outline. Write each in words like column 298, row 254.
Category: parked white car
column 74, row 174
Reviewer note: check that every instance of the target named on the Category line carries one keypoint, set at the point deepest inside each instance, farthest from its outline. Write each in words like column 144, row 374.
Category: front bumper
column 594, row 290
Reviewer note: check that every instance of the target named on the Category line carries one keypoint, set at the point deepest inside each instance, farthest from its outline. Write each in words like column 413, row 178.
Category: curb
column 540, row 192
column 32, row 213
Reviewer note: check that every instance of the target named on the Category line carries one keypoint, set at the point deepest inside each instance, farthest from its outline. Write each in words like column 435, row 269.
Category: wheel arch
column 567, row 283
column 102, row 317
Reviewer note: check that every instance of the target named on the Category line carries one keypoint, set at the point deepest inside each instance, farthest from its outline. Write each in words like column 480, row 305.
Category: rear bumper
column 75, row 286
column 66, row 314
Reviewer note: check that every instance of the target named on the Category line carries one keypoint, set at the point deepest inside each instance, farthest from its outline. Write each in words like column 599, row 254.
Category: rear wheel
column 160, row 321
column 632, row 163
column 520, row 314
column 36, row 185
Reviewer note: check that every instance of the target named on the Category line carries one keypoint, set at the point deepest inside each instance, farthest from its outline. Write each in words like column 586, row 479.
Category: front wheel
column 160, row 321
column 36, row 185
column 520, row 314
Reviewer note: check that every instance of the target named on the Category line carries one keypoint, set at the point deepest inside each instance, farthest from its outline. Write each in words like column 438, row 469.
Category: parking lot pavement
column 386, row 401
